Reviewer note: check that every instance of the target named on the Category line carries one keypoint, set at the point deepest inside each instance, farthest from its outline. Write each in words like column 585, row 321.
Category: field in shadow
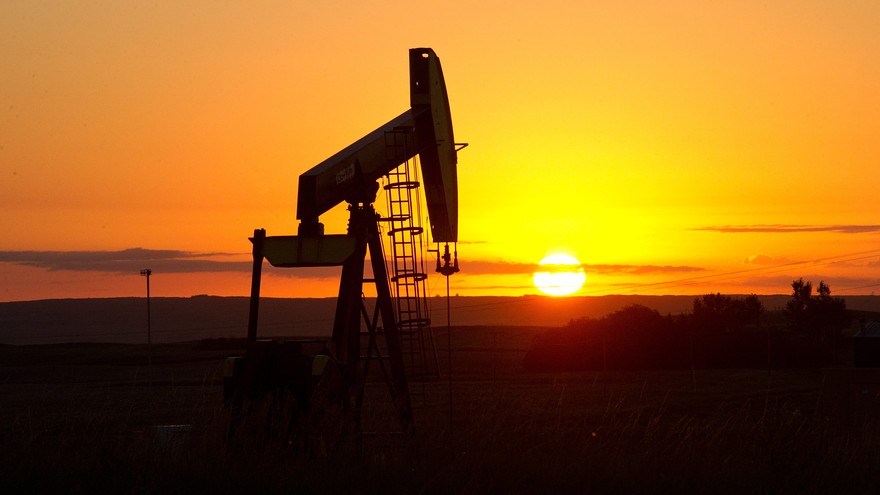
column 95, row 418
column 124, row 320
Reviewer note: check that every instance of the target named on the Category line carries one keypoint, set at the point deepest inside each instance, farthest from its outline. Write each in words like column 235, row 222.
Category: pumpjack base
column 293, row 369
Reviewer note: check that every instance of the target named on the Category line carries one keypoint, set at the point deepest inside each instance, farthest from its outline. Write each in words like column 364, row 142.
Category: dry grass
column 82, row 420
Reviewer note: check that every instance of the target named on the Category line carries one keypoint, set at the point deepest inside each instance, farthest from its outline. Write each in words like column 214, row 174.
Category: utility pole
column 146, row 272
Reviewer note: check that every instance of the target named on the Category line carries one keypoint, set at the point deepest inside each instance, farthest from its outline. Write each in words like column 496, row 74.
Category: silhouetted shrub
column 714, row 312
column 726, row 334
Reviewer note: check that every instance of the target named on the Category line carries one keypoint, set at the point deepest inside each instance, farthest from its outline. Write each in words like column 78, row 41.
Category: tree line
column 721, row 331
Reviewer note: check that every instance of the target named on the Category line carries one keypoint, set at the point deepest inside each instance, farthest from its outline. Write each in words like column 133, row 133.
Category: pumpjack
column 352, row 175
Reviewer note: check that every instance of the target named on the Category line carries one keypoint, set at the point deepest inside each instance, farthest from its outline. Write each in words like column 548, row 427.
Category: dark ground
column 178, row 319
column 92, row 418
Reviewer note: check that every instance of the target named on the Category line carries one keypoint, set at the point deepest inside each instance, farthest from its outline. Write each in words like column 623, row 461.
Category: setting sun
column 559, row 275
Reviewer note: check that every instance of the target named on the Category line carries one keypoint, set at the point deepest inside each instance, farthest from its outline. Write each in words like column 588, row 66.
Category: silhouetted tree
column 752, row 309
column 820, row 315
column 796, row 308
column 726, row 312
column 830, row 313
column 635, row 321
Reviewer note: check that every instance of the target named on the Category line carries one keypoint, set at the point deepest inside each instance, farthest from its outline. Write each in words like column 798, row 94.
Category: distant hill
column 124, row 320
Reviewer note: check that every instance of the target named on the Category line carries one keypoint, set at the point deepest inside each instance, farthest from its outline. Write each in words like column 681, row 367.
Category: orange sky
column 673, row 147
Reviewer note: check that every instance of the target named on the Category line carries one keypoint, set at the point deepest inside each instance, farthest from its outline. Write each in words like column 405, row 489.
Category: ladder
column 405, row 263
column 407, row 271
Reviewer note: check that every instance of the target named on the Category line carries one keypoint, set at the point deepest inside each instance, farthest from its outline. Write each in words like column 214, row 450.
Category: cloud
column 789, row 229
column 477, row 267
column 496, row 287
column 763, row 259
column 510, row 268
column 125, row 261
column 161, row 261
column 131, row 261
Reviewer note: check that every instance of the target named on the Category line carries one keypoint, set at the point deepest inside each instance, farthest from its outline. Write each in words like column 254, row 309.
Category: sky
column 673, row 147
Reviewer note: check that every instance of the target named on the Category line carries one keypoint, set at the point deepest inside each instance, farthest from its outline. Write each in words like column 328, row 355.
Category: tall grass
column 728, row 432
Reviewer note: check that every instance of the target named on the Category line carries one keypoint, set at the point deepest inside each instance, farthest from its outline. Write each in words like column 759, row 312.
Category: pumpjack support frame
column 351, row 176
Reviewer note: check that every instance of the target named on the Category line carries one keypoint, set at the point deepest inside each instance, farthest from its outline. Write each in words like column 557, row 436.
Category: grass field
column 93, row 418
